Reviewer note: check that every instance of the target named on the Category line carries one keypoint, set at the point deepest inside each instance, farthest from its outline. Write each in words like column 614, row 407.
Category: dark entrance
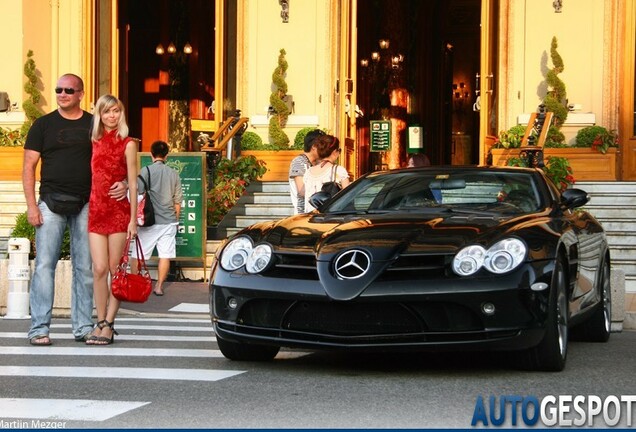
column 163, row 88
column 430, row 52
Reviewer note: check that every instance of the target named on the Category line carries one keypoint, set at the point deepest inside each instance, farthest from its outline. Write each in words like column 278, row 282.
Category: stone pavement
column 179, row 298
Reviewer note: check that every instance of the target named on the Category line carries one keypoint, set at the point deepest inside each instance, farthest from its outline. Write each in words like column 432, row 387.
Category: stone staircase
column 263, row 201
column 614, row 205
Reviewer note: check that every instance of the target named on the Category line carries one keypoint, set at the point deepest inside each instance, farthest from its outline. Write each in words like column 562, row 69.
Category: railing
column 535, row 136
column 220, row 141
column 221, row 144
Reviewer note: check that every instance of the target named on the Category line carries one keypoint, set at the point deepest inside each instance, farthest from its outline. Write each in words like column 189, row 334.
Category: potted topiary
column 556, row 97
column 12, row 141
column 276, row 158
column 278, row 107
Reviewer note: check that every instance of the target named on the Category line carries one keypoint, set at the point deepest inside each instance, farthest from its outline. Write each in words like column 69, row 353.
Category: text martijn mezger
column 32, row 424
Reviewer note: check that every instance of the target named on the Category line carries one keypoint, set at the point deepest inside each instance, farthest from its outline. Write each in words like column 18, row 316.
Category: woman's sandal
column 93, row 338
column 103, row 340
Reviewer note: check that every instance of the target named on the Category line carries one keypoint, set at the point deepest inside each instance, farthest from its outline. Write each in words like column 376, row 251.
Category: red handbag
column 132, row 287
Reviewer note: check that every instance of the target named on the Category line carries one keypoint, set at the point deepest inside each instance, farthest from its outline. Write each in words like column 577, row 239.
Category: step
column 245, row 221
column 272, row 209
column 7, row 220
column 609, row 213
column 622, row 253
column 619, row 225
column 13, row 207
column 629, row 266
column 618, row 239
column 4, row 244
column 5, row 231
column 272, row 197
column 270, row 187
column 14, row 186
column 630, row 284
column 606, row 187
column 12, row 198
column 611, row 199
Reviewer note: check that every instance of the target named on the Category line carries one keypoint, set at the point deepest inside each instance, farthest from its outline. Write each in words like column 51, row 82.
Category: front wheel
column 246, row 352
column 552, row 351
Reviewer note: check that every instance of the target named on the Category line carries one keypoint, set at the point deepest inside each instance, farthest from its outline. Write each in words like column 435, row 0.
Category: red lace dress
column 105, row 214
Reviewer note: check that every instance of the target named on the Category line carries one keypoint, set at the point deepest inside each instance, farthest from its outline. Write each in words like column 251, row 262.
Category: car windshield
column 435, row 190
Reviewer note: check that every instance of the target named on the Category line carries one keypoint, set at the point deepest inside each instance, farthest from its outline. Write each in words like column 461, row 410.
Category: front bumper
column 447, row 313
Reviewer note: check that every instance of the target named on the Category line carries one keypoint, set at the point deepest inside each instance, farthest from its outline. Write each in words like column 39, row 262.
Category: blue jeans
column 48, row 242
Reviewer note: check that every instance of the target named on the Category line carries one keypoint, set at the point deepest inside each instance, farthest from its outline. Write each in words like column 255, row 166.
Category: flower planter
column 11, row 164
column 587, row 164
column 276, row 162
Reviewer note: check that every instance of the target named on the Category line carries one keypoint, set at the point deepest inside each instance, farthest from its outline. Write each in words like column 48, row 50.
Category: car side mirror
column 573, row 198
column 319, row 198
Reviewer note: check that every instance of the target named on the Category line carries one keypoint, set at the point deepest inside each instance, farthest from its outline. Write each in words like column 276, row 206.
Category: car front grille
column 296, row 266
column 363, row 319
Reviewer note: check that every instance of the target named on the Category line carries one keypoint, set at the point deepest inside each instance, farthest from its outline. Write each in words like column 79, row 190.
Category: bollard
column 19, row 275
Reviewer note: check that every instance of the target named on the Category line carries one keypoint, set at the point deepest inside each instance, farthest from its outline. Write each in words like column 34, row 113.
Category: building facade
column 459, row 70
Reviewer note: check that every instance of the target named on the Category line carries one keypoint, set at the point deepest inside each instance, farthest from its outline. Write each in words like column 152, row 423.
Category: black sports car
column 420, row 259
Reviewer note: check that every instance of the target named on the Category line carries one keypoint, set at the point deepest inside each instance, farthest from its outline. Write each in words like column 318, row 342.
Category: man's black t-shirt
column 65, row 150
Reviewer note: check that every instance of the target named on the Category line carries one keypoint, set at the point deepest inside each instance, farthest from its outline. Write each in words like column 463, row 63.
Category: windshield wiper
column 470, row 211
column 358, row 212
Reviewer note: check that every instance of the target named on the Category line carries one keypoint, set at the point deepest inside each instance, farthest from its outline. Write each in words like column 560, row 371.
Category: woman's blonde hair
column 103, row 104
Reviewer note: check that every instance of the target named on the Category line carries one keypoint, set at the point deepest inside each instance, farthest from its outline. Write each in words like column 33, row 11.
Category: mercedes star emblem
column 352, row 264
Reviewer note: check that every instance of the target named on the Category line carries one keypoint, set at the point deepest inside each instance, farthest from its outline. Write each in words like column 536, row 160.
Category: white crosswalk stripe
column 122, row 337
column 174, row 340
column 177, row 341
column 111, row 351
column 119, row 372
column 62, row 409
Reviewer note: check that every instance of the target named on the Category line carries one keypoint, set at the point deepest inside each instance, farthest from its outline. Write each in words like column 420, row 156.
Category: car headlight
column 502, row 257
column 259, row 258
column 235, row 254
column 505, row 255
column 469, row 260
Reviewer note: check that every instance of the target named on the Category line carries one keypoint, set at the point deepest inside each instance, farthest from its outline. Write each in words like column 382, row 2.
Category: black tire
column 597, row 328
column 552, row 351
column 246, row 352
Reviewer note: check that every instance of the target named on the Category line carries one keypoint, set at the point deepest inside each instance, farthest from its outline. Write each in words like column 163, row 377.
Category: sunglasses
column 67, row 90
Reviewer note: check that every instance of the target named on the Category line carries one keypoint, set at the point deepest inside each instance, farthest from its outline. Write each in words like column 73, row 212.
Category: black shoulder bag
column 331, row 187
column 145, row 210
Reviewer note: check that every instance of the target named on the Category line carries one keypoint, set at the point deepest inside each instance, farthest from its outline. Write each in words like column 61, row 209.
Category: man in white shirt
column 297, row 169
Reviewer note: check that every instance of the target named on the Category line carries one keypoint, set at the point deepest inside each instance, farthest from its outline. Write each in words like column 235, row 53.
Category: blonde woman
column 326, row 170
column 110, row 222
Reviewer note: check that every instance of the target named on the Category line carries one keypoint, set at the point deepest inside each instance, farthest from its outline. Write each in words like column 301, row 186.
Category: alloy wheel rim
column 607, row 302
column 561, row 316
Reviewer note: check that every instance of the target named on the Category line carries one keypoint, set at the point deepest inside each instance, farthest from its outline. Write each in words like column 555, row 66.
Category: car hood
column 384, row 238
column 387, row 234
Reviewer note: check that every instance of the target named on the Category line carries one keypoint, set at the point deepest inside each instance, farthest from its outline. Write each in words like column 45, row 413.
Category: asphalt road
column 167, row 373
